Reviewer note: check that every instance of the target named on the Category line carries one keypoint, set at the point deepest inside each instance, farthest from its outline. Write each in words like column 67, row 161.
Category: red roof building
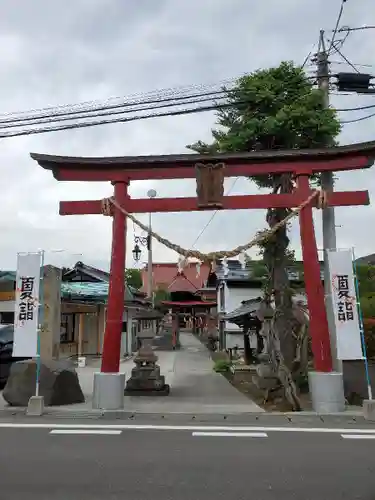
column 167, row 277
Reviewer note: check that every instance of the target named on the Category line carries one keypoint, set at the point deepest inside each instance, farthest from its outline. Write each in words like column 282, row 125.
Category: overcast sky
column 54, row 52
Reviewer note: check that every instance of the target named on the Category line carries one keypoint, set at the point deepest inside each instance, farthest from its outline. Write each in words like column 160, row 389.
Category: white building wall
column 233, row 299
column 7, row 306
column 126, row 337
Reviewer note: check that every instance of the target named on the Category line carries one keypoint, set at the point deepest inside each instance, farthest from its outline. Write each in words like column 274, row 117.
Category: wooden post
column 314, row 289
column 81, row 321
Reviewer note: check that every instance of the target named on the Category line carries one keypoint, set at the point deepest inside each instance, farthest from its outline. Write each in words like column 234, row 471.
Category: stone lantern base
column 145, row 379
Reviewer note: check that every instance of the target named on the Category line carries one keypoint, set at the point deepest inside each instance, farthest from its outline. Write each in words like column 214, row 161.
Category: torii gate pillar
column 109, row 383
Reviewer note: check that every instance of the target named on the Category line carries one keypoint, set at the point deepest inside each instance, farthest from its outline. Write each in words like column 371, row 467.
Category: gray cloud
column 56, row 53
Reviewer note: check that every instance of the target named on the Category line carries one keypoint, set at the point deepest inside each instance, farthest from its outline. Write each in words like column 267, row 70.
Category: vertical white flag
column 25, row 343
column 344, row 300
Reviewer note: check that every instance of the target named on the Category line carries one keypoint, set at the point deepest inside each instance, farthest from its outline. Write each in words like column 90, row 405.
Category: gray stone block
column 58, row 383
column 369, row 409
column 35, row 408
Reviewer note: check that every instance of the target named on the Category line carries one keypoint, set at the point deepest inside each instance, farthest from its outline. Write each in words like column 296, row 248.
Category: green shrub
column 222, row 366
column 370, row 340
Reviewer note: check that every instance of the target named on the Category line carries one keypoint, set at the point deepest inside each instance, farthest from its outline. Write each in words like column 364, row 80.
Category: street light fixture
column 136, row 252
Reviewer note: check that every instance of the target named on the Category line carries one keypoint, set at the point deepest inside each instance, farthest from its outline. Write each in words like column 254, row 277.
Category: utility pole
column 149, row 262
column 151, row 193
column 328, row 213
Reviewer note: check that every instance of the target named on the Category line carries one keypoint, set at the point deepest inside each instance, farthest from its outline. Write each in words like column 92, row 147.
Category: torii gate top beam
column 128, row 168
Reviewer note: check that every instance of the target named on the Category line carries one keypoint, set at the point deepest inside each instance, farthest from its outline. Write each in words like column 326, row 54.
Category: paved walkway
column 195, row 387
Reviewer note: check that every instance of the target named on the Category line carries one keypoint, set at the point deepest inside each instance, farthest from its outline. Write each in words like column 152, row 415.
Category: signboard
column 344, row 300
column 27, row 305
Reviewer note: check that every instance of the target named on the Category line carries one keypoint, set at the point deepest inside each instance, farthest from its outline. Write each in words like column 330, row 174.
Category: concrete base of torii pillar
column 327, row 392
column 108, row 393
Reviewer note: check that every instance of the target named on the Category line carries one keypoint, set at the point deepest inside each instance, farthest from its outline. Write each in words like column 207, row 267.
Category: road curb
column 307, row 418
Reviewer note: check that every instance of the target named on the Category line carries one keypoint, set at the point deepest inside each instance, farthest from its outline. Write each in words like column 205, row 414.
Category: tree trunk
column 282, row 343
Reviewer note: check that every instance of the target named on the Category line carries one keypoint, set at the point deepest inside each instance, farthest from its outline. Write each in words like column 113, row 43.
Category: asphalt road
column 62, row 462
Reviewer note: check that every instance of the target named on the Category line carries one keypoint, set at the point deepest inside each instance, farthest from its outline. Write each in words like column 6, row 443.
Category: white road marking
column 358, row 436
column 86, row 431
column 230, row 434
column 189, row 428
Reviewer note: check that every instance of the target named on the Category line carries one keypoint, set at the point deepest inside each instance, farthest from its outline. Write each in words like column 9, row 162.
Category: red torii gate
column 120, row 171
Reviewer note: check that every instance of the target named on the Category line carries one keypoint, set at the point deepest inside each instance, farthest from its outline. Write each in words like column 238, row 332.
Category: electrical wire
column 346, row 59
column 97, row 105
column 360, row 108
column 347, row 28
column 337, row 24
column 71, row 126
column 358, row 119
column 177, row 101
column 222, row 94
column 213, row 215
column 17, row 120
column 308, row 56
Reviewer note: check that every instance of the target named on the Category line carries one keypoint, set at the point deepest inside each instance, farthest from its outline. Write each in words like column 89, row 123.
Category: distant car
column 6, row 349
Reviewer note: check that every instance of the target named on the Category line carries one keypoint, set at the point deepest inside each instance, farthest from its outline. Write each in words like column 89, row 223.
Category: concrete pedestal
column 369, row 409
column 327, row 392
column 35, row 408
column 108, row 391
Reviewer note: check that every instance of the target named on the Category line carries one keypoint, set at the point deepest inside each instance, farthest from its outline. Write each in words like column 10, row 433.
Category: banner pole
column 361, row 327
column 40, row 323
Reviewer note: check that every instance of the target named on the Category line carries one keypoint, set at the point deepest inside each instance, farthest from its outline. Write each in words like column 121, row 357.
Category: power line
column 308, row 56
column 96, row 105
column 347, row 28
column 155, row 104
column 346, row 59
column 37, row 119
column 360, row 108
column 359, row 119
column 119, row 120
column 56, row 128
column 337, row 24
column 213, row 215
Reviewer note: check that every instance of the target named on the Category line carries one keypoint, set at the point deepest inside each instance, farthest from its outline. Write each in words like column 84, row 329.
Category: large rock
column 59, row 384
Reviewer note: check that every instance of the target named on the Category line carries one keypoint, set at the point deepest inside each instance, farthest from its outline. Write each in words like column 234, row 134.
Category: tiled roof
column 97, row 292
column 7, row 276
column 52, row 162
column 247, row 307
column 237, row 273
column 97, row 274
column 75, row 290
column 165, row 276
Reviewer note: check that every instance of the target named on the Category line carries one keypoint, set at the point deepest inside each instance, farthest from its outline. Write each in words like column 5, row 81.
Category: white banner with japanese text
column 344, row 300
column 27, row 306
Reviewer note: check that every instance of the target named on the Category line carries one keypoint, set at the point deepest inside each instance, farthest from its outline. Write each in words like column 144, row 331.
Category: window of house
column 67, row 327
column 7, row 318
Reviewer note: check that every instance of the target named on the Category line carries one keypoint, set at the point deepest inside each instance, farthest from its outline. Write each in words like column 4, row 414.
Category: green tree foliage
column 133, row 278
column 161, row 295
column 366, row 280
column 276, row 108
